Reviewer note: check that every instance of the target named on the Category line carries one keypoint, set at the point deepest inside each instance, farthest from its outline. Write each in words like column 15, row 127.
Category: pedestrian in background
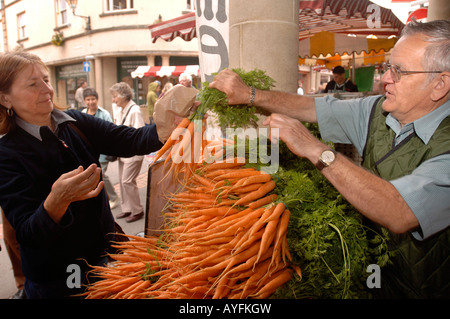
column 166, row 88
column 185, row 79
column 79, row 95
column 340, row 83
column 129, row 114
column 90, row 97
column 152, row 96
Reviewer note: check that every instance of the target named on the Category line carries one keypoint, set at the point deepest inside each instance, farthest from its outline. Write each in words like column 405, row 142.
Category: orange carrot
column 169, row 143
column 243, row 173
column 242, row 256
column 257, row 178
column 269, row 233
column 228, row 173
column 278, row 210
column 279, row 279
column 257, row 273
column 263, row 190
column 182, row 154
column 203, row 181
column 280, row 235
column 263, row 201
column 237, row 162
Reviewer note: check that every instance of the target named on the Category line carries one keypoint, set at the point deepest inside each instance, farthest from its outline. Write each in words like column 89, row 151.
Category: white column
column 150, row 60
column 165, row 60
column 264, row 35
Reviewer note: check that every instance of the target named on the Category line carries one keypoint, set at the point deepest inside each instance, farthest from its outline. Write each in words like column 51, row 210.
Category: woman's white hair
column 185, row 76
column 123, row 90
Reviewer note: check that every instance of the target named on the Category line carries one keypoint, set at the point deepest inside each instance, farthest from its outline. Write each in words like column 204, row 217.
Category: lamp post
column 73, row 5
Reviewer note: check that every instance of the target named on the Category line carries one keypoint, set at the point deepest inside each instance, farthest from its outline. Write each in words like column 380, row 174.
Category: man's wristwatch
column 326, row 158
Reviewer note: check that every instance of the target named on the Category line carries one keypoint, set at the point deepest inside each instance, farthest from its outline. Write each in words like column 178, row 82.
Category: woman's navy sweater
column 29, row 167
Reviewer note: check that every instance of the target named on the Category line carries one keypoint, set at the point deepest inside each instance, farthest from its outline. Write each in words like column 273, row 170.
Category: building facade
column 101, row 41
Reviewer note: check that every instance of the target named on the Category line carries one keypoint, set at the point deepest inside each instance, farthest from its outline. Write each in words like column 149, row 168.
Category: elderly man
column 185, row 79
column 404, row 138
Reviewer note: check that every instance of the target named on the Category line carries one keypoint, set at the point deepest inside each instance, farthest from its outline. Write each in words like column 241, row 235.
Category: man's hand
column 297, row 137
column 76, row 185
column 232, row 85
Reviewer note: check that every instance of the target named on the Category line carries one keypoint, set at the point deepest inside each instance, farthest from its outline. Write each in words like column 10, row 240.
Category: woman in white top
column 129, row 114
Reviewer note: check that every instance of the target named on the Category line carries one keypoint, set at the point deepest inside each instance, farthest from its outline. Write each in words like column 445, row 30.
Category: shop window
column 68, row 78
column 114, row 5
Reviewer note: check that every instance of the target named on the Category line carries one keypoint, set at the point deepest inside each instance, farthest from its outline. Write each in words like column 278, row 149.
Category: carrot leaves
column 237, row 115
column 327, row 236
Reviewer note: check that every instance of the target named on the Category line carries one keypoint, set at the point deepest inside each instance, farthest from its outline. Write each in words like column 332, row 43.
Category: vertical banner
column 212, row 23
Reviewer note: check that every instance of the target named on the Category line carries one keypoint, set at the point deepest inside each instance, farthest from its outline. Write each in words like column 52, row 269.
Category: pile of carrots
column 224, row 237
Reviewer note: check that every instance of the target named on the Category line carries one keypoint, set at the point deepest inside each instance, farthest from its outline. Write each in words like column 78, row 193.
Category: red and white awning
column 183, row 26
column 339, row 16
column 162, row 71
column 344, row 16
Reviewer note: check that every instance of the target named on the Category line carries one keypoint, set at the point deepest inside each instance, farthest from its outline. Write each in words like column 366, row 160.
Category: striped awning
column 345, row 16
column 340, row 16
column 324, row 43
column 183, row 26
column 162, row 71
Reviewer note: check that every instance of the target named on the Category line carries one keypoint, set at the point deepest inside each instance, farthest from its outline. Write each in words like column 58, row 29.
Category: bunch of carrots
column 186, row 146
column 225, row 237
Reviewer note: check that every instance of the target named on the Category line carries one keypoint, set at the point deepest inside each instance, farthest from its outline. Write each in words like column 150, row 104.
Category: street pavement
column 7, row 283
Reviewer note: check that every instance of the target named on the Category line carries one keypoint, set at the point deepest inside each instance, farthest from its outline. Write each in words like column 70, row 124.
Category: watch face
column 328, row 157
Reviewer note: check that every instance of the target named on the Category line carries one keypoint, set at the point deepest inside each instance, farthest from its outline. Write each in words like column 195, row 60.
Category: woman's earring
column 10, row 112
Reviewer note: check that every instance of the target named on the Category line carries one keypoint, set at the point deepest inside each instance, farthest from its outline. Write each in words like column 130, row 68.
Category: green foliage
column 237, row 115
column 327, row 236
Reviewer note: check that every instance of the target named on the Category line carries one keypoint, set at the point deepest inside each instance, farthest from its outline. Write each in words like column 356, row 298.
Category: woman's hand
column 76, row 185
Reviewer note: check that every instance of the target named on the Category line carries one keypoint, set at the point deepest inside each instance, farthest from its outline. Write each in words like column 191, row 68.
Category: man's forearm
column 296, row 106
column 372, row 196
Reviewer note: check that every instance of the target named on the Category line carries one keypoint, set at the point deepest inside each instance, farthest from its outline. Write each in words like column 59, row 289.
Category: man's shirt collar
column 424, row 127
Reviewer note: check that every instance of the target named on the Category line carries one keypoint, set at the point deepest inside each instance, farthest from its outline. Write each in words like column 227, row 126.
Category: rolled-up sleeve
column 427, row 192
column 344, row 121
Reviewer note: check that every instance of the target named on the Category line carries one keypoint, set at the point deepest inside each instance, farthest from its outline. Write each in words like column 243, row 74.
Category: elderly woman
column 129, row 114
column 50, row 178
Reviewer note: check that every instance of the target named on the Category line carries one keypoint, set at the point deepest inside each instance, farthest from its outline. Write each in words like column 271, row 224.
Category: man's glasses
column 396, row 73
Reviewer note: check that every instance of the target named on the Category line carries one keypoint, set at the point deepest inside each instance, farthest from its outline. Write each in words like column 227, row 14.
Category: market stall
column 219, row 235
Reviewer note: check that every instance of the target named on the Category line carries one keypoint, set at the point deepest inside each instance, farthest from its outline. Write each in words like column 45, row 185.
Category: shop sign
column 69, row 71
